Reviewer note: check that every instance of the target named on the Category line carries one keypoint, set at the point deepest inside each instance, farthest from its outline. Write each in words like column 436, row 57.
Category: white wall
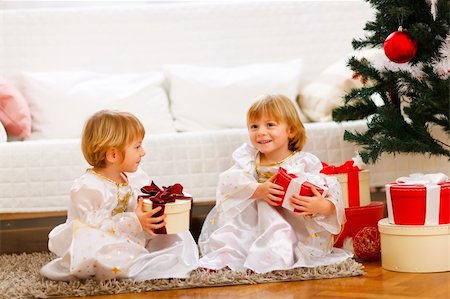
column 36, row 4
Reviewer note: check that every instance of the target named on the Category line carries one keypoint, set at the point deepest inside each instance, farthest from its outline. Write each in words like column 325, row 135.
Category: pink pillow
column 14, row 111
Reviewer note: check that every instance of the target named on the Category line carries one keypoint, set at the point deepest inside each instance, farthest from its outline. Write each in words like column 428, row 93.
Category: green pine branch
column 411, row 107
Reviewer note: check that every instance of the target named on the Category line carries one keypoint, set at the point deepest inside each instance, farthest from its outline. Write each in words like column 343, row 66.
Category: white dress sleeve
column 137, row 180
column 92, row 203
column 333, row 222
column 237, row 184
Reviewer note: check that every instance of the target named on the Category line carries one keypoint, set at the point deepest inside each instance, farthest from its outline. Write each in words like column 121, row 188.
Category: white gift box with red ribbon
column 420, row 199
column 354, row 182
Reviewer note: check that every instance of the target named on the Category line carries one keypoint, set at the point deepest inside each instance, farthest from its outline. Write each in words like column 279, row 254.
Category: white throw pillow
column 204, row 98
column 323, row 94
column 60, row 102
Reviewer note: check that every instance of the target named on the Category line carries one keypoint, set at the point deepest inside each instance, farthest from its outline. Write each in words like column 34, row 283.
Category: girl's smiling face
column 270, row 137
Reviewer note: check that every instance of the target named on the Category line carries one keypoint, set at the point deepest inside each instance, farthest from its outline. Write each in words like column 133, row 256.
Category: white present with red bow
column 420, row 199
column 354, row 182
column 174, row 203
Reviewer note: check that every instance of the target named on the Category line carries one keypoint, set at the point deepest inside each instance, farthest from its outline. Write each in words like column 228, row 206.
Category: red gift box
column 415, row 202
column 359, row 217
column 354, row 182
column 294, row 185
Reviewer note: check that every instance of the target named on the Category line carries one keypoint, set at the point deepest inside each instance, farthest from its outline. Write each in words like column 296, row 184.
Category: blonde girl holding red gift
column 247, row 229
column 107, row 234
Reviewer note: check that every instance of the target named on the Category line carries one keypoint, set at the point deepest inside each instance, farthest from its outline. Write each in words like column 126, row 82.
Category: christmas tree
column 405, row 96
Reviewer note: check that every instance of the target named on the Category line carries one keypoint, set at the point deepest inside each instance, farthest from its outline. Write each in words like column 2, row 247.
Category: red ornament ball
column 366, row 244
column 400, row 46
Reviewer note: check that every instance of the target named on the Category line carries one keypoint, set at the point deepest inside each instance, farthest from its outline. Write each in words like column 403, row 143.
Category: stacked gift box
column 416, row 235
column 360, row 211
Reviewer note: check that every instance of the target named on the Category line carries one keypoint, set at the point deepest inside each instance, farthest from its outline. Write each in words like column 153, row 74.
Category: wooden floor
column 376, row 283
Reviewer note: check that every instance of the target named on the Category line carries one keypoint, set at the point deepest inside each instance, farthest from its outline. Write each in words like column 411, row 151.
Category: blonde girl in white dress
column 246, row 230
column 107, row 234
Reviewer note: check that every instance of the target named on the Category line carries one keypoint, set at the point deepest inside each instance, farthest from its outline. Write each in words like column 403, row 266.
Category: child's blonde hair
column 282, row 110
column 108, row 129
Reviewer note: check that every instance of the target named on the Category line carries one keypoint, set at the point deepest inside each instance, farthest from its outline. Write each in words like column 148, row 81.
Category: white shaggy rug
column 20, row 278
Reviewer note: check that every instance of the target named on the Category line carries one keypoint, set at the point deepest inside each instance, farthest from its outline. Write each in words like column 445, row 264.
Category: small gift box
column 175, row 204
column 419, row 200
column 295, row 185
column 354, row 183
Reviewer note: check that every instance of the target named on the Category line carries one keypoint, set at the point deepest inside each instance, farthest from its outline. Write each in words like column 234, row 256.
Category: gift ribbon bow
column 164, row 195
column 160, row 197
column 352, row 172
column 347, row 167
column 432, row 183
column 423, row 179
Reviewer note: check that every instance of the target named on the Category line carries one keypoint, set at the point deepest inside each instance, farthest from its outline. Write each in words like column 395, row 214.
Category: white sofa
column 183, row 68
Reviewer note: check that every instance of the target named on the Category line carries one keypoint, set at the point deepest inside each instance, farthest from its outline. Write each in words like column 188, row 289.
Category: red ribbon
column 344, row 168
column 164, row 195
column 283, row 179
column 352, row 172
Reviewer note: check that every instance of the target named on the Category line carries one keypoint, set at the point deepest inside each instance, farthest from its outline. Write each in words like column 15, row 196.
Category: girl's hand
column 310, row 205
column 148, row 222
column 269, row 191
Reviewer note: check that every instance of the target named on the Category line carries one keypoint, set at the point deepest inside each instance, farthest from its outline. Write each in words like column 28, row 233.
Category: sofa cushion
column 60, row 102
column 14, row 111
column 326, row 92
column 205, row 97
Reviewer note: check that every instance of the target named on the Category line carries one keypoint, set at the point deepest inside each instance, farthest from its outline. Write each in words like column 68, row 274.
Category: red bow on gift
column 352, row 172
column 344, row 168
column 164, row 195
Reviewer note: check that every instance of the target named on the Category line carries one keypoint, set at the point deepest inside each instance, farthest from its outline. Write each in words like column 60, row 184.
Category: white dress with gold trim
column 102, row 236
column 244, row 233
